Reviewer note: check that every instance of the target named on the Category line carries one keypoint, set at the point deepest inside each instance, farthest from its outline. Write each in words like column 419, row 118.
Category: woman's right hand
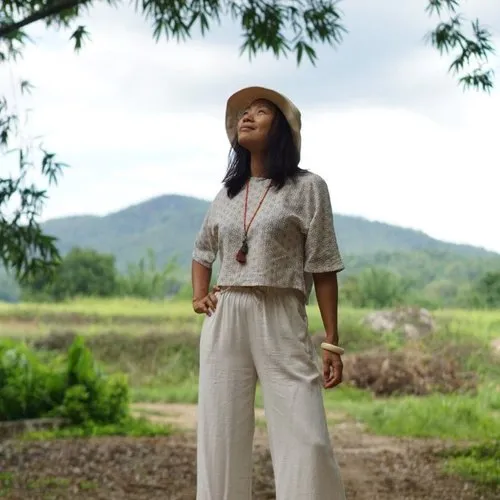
column 206, row 305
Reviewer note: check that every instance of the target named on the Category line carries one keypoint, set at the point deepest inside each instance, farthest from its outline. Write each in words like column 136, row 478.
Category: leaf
column 26, row 87
column 437, row 6
column 474, row 49
column 79, row 36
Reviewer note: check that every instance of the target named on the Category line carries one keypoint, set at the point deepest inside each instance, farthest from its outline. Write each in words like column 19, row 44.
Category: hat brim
column 242, row 99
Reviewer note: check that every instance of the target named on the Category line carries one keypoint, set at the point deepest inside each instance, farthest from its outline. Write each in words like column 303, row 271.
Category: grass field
column 155, row 343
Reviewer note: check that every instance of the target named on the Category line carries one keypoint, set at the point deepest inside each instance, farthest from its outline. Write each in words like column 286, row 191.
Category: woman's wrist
column 332, row 338
column 326, row 346
column 200, row 295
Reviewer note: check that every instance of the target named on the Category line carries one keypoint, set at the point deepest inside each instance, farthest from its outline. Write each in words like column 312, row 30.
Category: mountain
column 168, row 224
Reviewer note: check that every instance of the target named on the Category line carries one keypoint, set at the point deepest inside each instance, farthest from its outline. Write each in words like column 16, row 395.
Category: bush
column 72, row 387
column 29, row 388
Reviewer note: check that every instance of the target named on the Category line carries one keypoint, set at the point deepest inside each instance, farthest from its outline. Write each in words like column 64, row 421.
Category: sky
column 384, row 123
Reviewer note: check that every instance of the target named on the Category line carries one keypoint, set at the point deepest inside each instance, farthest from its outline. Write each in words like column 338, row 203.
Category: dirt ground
column 373, row 468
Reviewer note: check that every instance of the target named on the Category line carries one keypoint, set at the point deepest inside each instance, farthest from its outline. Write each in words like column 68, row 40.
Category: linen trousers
column 261, row 334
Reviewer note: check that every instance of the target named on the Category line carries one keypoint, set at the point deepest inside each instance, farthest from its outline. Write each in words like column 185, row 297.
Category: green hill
column 168, row 225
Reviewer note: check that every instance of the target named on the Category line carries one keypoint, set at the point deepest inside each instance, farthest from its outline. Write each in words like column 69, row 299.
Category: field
column 437, row 439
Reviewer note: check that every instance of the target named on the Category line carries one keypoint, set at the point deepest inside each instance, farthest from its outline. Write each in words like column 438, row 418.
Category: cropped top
column 291, row 237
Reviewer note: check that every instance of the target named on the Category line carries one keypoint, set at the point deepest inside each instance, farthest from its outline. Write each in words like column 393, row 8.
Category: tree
column 486, row 292
column 81, row 273
column 375, row 287
column 279, row 26
column 146, row 281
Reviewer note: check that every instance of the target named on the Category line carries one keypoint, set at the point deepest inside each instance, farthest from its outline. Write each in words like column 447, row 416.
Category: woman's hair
column 281, row 161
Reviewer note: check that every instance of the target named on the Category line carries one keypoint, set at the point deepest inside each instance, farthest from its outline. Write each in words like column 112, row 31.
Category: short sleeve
column 321, row 249
column 206, row 243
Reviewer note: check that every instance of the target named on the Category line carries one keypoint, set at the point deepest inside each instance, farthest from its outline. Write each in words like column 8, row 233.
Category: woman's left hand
column 332, row 369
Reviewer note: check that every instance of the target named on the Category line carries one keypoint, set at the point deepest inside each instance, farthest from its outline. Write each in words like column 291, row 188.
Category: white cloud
column 401, row 167
column 136, row 119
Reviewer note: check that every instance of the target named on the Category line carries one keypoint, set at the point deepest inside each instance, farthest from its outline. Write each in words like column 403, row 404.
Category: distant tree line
column 379, row 288
column 86, row 272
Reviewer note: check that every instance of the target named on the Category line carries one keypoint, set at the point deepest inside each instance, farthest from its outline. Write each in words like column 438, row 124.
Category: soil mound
column 405, row 372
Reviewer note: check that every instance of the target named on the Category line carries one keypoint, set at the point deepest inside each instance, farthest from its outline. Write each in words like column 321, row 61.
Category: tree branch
column 7, row 29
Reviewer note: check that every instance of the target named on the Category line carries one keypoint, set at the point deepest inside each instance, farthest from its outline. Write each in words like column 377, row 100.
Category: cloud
column 384, row 123
column 404, row 168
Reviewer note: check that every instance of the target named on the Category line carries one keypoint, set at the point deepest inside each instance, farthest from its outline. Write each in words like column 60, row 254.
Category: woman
column 272, row 227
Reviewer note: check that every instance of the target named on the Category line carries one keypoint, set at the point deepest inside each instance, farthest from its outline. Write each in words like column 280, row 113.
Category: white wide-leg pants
column 261, row 333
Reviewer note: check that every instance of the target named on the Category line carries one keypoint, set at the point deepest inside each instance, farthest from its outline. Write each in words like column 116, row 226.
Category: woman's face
column 254, row 125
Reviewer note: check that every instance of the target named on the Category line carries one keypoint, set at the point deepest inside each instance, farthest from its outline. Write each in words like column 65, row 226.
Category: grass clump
column 479, row 463
column 130, row 426
column 6, row 483
column 449, row 416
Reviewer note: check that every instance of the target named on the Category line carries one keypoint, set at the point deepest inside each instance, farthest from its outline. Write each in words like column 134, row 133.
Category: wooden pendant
column 241, row 256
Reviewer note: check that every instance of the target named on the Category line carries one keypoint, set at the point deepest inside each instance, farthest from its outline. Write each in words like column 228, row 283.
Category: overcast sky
column 383, row 122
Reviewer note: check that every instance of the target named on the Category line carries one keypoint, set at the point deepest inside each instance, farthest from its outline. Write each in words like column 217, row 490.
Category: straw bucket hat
column 240, row 100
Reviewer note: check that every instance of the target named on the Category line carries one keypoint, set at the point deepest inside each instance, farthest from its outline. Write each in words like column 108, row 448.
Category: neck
column 257, row 167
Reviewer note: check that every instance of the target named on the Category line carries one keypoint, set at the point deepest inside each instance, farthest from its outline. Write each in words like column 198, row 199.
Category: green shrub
column 76, row 405
column 91, row 395
column 29, row 388
column 74, row 387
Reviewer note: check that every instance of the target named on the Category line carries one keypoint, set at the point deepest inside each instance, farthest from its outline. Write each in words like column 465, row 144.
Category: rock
column 411, row 332
column 495, row 345
column 414, row 322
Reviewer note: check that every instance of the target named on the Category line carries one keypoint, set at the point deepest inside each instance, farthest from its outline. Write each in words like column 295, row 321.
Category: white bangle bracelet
column 332, row 348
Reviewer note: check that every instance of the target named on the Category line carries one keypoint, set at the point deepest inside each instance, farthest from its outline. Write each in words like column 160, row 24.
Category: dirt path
column 374, row 468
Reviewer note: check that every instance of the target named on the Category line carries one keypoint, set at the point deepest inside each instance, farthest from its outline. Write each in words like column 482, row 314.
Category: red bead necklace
column 241, row 256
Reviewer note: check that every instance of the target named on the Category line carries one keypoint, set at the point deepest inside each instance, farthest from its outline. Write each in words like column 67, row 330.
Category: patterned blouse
column 291, row 237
